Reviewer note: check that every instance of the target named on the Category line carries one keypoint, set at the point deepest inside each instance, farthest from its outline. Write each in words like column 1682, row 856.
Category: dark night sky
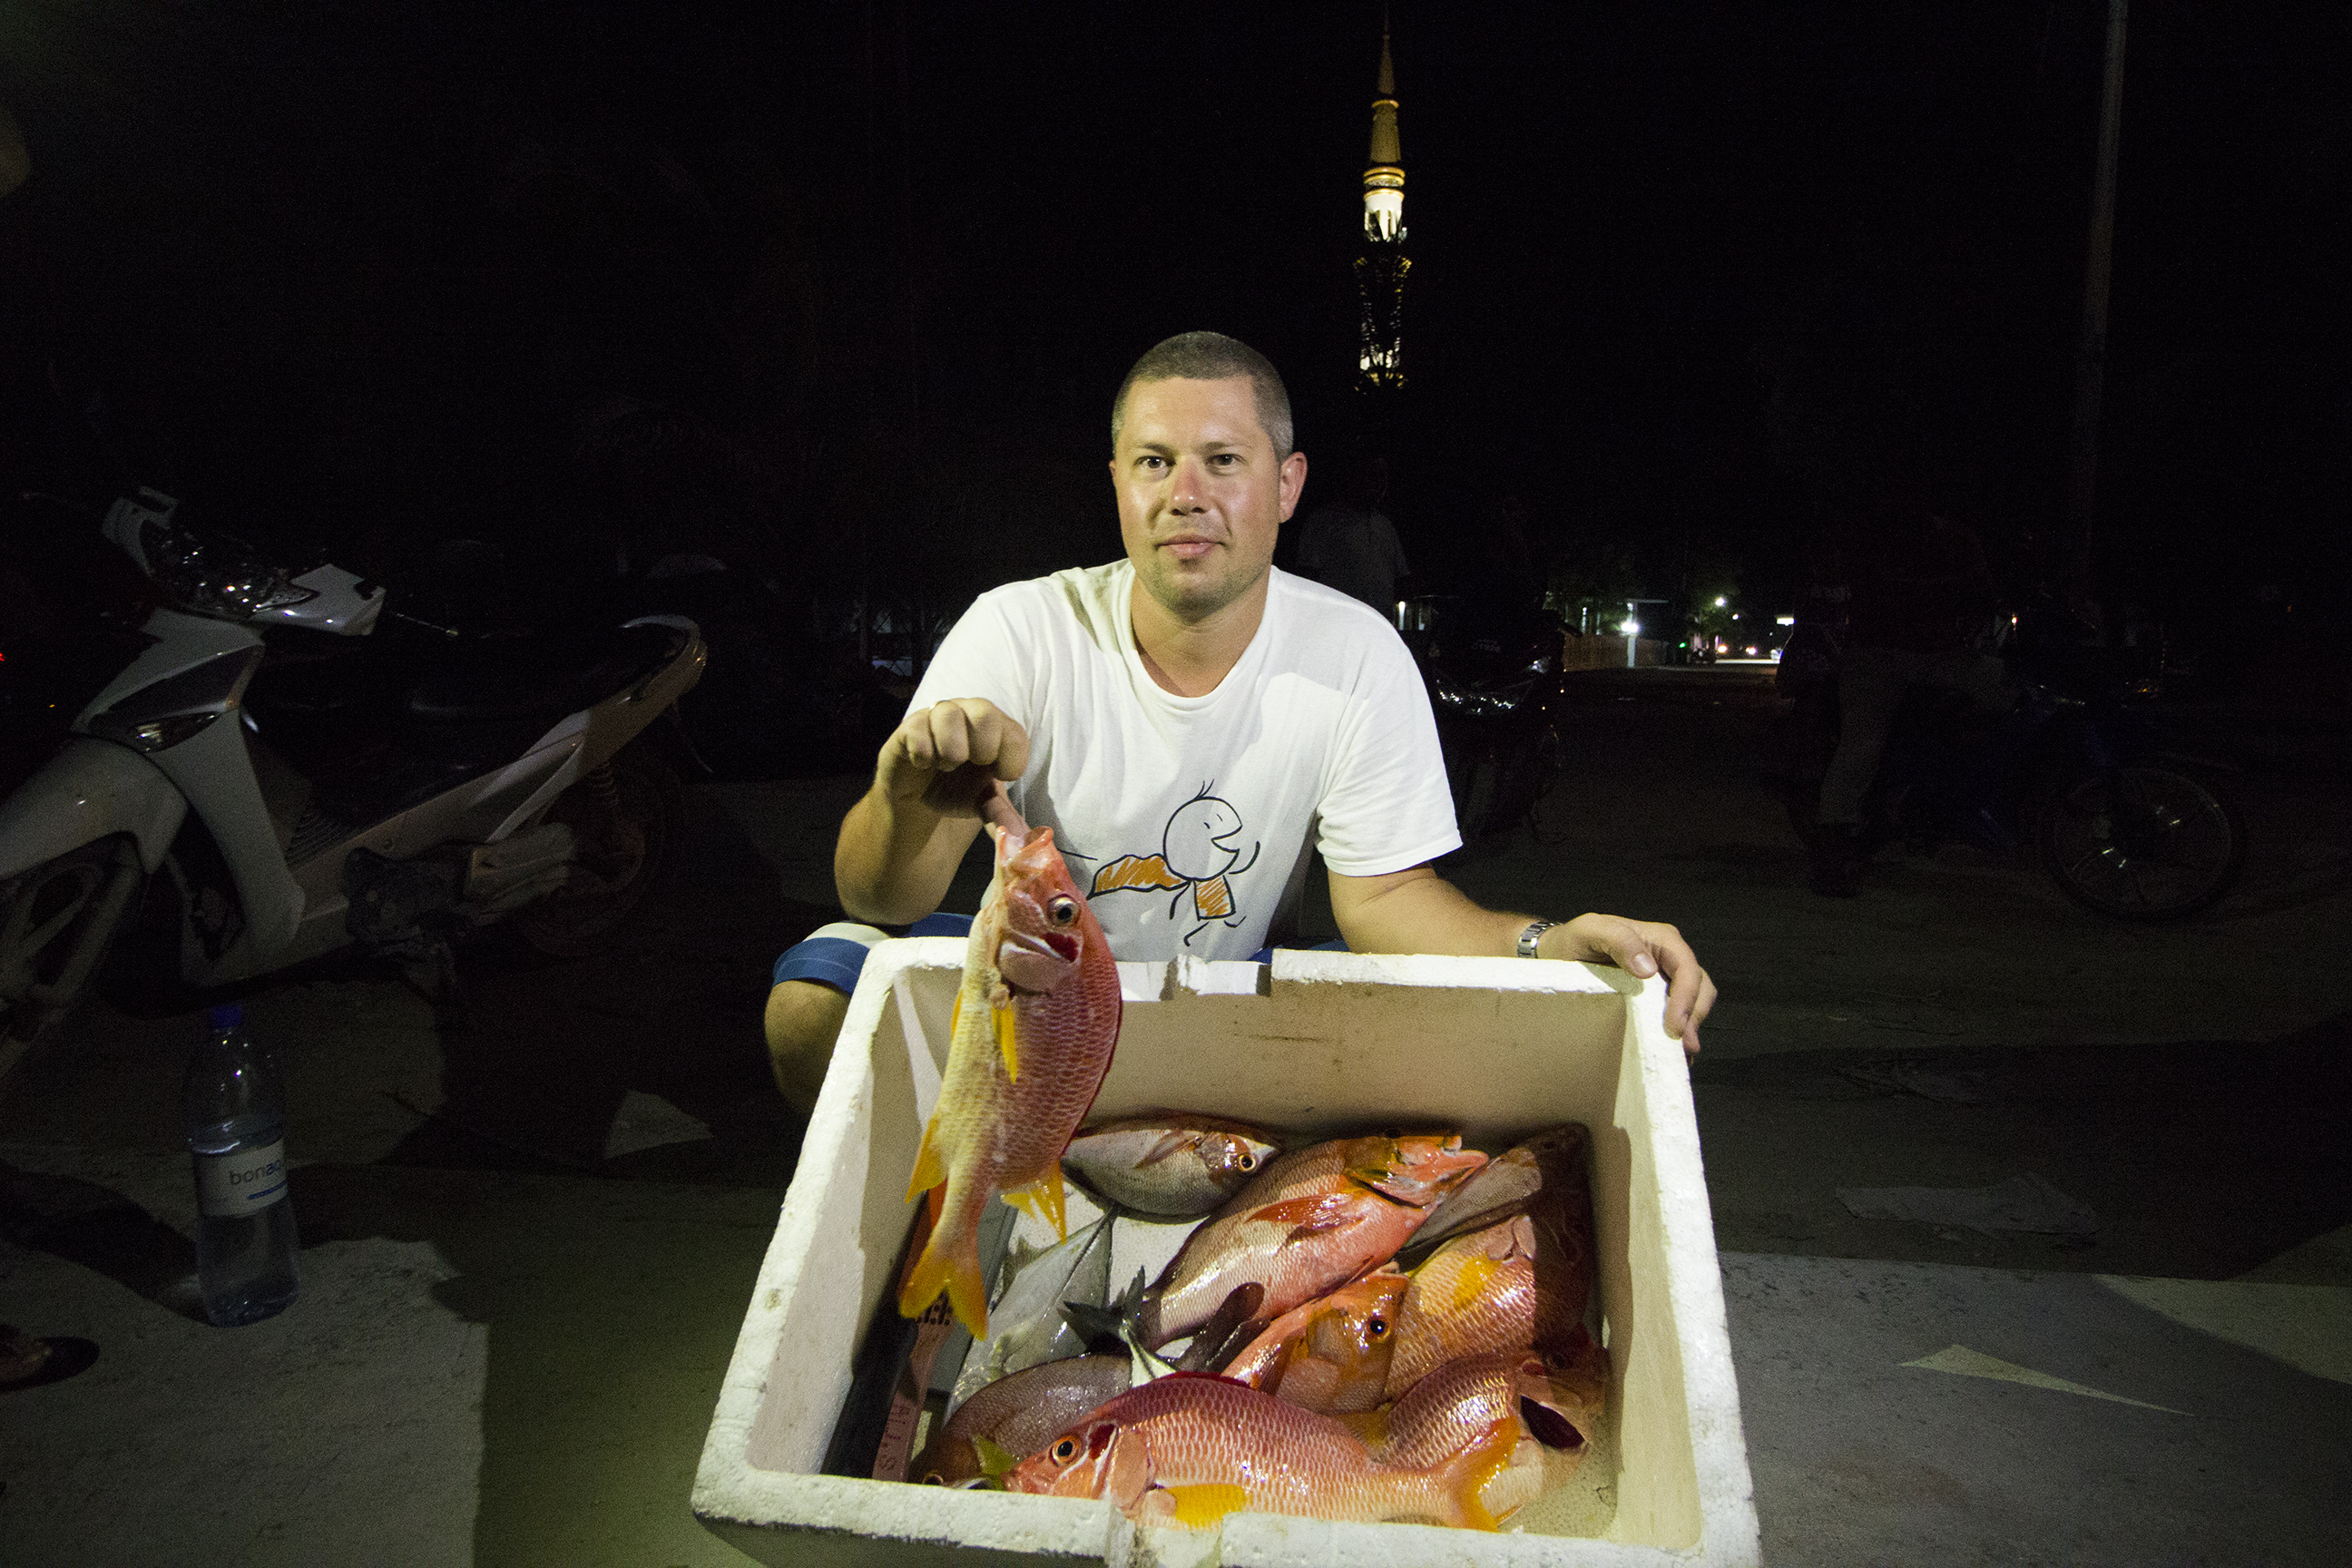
column 1683, row 271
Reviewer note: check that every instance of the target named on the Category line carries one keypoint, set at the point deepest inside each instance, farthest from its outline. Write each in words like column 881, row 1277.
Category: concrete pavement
column 525, row 1260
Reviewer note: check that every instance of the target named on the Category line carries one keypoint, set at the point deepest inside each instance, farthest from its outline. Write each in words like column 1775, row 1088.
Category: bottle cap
column 229, row 1016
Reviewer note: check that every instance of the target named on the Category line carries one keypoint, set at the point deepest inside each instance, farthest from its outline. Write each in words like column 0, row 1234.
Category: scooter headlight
column 216, row 577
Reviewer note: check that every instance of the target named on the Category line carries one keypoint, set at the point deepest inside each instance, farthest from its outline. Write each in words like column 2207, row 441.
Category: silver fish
column 1027, row 1316
column 1014, row 1416
column 1168, row 1166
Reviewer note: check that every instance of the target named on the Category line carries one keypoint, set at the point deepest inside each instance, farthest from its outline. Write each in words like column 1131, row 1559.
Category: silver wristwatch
column 1533, row 935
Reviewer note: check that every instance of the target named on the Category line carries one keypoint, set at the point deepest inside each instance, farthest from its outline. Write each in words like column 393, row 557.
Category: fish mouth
column 1062, row 944
column 1043, row 959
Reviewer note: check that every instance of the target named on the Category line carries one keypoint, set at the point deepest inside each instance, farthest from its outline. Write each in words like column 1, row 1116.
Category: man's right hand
column 949, row 756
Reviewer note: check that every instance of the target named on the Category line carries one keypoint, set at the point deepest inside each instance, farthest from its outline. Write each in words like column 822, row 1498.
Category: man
column 1190, row 721
column 1921, row 596
column 1350, row 543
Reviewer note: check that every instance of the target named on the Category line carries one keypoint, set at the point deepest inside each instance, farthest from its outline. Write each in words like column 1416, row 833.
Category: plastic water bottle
column 235, row 1114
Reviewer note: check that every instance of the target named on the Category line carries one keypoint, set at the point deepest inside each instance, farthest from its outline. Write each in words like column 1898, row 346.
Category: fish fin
column 1230, row 1328
column 1175, row 1142
column 1370, row 1426
column 1270, row 1381
column 1130, row 1301
column 1043, row 1200
column 1464, row 1476
column 1307, row 1216
column 1143, row 1366
column 994, row 1459
column 950, row 1264
column 929, row 1170
column 1197, row 1506
column 1004, row 1043
column 1096, row 1327
column 1471, row 1281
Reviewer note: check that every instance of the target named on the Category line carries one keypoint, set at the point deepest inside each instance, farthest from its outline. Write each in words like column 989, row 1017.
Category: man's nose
column 1186, row 490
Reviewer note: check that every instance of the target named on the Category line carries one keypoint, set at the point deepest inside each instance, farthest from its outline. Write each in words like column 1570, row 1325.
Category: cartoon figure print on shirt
column 1197, row 855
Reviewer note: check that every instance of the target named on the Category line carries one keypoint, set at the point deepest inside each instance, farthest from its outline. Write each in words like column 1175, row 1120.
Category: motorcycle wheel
column 2141, row 842
column 628, row 818
column 56, row 921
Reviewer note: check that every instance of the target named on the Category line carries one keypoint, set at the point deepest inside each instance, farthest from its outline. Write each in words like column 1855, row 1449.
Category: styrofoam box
column 1316, row 1043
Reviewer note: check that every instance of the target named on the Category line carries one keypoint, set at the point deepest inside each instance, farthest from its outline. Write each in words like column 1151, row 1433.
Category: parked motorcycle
column 2123, row 824
column 253, row 783
column 1496, row 692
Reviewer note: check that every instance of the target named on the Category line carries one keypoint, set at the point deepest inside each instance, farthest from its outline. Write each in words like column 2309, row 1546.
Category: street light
column 1720, row 601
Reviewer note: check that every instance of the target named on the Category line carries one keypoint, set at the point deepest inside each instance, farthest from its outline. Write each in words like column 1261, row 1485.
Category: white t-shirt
column 1188, row 820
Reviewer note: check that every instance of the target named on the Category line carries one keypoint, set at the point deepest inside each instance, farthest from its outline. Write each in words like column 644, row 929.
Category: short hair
column 1213, row 356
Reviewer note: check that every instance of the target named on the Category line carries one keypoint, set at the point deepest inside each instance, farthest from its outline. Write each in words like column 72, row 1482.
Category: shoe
column 1837, row 862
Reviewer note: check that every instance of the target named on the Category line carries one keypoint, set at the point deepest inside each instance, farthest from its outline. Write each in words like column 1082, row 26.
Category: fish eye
column 1248, row 1162
column 1066, row 1450
column 933, row 1479
column 1378, row 1328
column 1062, row 911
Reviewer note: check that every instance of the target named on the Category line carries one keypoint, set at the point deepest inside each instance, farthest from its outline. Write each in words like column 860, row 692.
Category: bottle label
column 244, row 1183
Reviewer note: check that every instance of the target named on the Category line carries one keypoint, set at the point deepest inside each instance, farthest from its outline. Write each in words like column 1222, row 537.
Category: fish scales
column 1475, row 1295
column 1311, row 1220
column 1189, row 1449
column 1036, row 1020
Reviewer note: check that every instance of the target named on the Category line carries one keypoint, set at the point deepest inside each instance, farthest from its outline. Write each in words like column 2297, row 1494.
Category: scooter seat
column 540, row 677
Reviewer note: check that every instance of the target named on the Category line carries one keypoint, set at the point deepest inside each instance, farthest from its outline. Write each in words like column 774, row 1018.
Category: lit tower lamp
column 1380, row 269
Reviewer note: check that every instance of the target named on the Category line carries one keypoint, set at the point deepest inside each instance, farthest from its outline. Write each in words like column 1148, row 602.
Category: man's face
column 1202, row 493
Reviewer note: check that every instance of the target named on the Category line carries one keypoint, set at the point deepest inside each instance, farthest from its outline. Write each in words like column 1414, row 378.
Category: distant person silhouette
column 1921, row 594
column 1348, row 544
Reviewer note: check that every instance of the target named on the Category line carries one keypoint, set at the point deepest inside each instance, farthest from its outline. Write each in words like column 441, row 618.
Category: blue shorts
column 834, row 954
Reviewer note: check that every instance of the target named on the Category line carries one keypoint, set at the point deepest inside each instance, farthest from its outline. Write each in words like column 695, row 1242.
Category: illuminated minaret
column 1380, row 269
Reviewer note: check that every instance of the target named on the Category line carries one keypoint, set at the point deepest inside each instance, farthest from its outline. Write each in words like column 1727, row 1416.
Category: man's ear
column 1294, row 483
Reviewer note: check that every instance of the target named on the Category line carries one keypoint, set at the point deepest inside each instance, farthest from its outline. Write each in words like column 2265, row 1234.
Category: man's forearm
column 895, row 858
column 1419, row 911
column 1422, row 913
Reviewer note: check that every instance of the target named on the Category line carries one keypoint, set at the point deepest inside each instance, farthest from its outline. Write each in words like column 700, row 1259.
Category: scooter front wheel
column 2141, row 842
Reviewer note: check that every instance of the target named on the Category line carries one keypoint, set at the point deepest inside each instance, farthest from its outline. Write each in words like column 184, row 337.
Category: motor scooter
column 2080, row 772
column 1495, row 687
column 240, row 795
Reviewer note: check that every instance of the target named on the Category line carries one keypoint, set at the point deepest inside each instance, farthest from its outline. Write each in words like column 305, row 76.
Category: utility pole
column 2091, row 357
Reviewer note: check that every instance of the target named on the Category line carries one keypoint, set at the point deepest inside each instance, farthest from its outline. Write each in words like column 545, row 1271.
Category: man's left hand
column 1642, row 948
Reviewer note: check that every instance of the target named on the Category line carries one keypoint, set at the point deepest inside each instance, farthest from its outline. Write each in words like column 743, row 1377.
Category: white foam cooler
column 1316, row 1043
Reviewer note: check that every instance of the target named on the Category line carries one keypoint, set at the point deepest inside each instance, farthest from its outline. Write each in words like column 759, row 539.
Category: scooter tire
column 2141, row 842
column 581, row 924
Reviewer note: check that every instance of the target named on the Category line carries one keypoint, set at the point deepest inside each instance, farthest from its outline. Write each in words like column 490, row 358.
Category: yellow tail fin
column 1467, row 1473
column 1043, row 1200
column 950, row 1263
